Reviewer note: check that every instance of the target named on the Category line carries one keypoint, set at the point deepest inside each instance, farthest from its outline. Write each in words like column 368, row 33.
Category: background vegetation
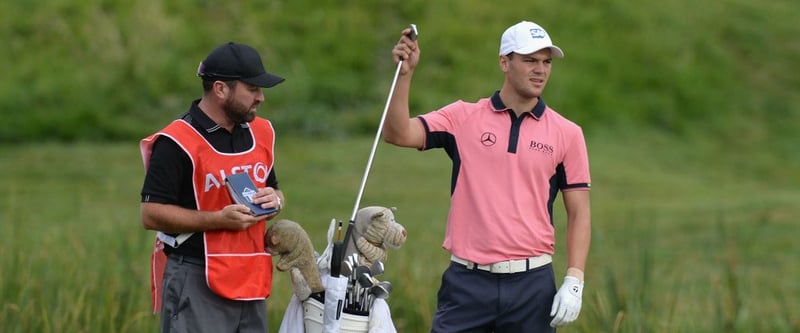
column 99, row 70
column 690, row 113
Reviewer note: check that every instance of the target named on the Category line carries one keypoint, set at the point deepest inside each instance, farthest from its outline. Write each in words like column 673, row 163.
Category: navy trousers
column 479, row 301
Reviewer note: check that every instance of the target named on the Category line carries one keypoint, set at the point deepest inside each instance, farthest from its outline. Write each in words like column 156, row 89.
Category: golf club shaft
column 372, row 154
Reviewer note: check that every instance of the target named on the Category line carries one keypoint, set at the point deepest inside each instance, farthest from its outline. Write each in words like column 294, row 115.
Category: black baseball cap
column 234, row 61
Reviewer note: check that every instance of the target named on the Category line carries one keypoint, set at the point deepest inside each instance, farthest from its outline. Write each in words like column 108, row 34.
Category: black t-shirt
column 169, row 177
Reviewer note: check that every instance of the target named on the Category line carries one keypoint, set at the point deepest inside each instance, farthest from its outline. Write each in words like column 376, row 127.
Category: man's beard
column 237, row 112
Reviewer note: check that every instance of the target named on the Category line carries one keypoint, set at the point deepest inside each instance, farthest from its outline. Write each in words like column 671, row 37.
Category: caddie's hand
column 567, row 302
column 268, row 198
column 406, row 50
column 237, row 217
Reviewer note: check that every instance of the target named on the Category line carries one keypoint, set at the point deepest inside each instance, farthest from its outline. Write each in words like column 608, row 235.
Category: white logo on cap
column 537, row 33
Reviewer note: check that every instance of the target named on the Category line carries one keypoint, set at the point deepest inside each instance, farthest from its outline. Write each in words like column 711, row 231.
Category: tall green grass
column 687, row 237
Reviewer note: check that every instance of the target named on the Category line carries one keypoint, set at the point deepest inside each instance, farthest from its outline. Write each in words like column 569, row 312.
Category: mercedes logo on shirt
column 488, row 139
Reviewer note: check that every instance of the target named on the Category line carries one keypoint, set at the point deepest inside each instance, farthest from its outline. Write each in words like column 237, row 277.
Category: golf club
column 377, row 268
column 351, row 223
column 365, row 281
column 380, row 290
column 357, row 273
column 347, row 268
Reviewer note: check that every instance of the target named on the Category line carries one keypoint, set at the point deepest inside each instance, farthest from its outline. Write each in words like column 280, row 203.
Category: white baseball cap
column 525, row 38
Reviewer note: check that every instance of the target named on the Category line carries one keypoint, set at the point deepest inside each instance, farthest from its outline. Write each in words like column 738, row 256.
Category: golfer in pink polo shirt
column 512, row 154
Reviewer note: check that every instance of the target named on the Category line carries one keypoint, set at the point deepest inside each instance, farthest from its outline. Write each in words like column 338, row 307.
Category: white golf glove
column 567, row 302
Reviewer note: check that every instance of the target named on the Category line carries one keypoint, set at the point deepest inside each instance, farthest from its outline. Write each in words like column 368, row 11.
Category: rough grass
column 684, row 241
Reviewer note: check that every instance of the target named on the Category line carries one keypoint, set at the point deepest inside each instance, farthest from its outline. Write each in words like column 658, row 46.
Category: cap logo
column 537, row 33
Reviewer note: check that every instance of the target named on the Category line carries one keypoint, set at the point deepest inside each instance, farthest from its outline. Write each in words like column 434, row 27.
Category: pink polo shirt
column 506, row 174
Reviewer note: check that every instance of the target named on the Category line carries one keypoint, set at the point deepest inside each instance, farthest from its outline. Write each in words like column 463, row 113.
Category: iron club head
column 365, row 280
column 347, row 268
column 380, row 290
column 377, row 268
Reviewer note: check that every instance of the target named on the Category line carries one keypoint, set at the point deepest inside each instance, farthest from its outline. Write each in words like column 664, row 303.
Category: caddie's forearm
column 176, row 219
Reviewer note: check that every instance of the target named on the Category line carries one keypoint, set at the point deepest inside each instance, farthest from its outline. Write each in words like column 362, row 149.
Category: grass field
column 689, row 235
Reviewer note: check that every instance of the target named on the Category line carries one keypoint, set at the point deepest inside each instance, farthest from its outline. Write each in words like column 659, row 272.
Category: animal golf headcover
column 375, row 232
column 288, row 239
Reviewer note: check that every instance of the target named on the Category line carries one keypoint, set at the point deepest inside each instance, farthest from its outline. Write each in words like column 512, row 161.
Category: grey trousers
column 189, row 306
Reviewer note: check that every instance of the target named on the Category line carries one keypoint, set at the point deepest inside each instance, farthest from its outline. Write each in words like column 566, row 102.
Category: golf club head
column 353, row 264
column 377, row 268
column 347, row 268
column 361, row 270
column 381, row 290
column 365, row 280
column 386, row 285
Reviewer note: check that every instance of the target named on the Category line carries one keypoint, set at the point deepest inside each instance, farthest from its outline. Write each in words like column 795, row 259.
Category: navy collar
column 536, row 112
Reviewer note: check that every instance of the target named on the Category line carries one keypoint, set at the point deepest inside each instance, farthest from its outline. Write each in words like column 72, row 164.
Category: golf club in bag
column 339, row 245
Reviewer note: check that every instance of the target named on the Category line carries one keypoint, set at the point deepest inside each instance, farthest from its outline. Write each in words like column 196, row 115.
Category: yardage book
column 242, row 190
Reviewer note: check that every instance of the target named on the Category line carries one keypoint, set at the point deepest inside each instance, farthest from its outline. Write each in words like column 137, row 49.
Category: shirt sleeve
column 440, row 125
column 272, row 179
column 168, row 179
column 576, row 163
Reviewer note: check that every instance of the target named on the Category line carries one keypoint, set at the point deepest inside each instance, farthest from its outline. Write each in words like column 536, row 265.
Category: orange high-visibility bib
column 237, row 267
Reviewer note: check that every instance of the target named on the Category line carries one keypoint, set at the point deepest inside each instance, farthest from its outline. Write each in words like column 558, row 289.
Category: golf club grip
column 348, row 233
column 337, row 256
